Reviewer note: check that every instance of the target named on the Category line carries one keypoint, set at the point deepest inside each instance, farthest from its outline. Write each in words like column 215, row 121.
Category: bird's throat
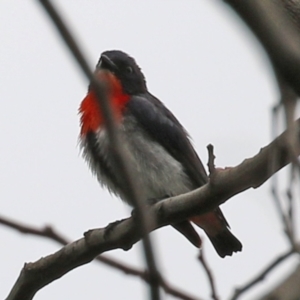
column 91, row 114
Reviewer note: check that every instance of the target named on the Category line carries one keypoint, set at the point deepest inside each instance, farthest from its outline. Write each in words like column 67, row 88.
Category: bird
column 159, row 148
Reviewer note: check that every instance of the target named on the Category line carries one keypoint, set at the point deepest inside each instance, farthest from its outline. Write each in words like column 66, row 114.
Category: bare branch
column 239, row 291
column 251, row 173
column 226, row 183
column 125, row 170
column 209, row 275
column 289, row 289
column 46, row 231
column 283, row 216
column 274, row 181
column 175, row 292
column 280, row 39
column 276, row 24
column 292, row 7
column 211, row 159
column 49, row 232
column 288, row 101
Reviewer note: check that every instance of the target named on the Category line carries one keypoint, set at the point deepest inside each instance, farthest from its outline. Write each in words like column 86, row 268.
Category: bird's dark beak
column 106, row 63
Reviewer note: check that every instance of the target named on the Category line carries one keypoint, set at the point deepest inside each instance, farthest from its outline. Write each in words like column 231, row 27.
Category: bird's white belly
column 155, row 171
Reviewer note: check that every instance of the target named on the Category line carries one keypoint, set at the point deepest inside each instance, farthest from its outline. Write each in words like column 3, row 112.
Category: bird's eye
column 129, row 70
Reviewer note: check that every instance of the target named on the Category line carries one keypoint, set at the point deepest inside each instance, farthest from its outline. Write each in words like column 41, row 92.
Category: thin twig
column 211, row 159
column 239, row 291
column 209, row 275
column 46, row 231
column 51, row 233
column 291, row 203
column 125, row 172
column 284, row 219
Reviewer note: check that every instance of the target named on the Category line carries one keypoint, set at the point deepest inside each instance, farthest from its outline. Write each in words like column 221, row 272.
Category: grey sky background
column 202, row 63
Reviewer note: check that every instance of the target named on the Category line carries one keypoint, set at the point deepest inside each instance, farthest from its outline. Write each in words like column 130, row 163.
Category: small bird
column 159, row 149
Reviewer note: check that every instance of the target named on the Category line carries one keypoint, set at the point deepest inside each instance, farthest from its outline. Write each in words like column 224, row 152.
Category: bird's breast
column 91, row 116
column 155, row 171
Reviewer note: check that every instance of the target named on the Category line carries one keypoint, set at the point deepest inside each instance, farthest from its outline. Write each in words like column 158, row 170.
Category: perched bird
column 160, row 152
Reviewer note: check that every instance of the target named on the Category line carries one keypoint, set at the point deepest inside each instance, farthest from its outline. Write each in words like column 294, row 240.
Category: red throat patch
column 91, row 115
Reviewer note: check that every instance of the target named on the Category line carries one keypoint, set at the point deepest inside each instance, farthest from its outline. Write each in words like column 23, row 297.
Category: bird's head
column 125, row 69
column 122, row 77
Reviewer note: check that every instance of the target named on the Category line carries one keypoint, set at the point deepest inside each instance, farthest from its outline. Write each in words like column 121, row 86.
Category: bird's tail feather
column 187, row 229
column 216, row 227
column 225, row 243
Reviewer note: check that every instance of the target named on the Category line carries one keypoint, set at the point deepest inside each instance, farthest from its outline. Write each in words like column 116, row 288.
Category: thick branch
column 209, row 274
column 49, row 232
column 223, row 184
column 276, row 31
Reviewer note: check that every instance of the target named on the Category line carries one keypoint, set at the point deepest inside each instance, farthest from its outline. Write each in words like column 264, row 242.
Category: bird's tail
column 219, row 234
column 187, row 229
column 225, row 243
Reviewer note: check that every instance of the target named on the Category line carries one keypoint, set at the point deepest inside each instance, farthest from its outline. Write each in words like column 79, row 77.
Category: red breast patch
column 91, row 115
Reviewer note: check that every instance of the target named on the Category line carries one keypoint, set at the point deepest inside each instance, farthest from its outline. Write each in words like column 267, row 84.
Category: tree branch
column 223, row 185
column 49, row 232
column 276, row 31
column 209, row 275
column 288, row 289
column 239, row 291
column 211, row 159
column 119, row 154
